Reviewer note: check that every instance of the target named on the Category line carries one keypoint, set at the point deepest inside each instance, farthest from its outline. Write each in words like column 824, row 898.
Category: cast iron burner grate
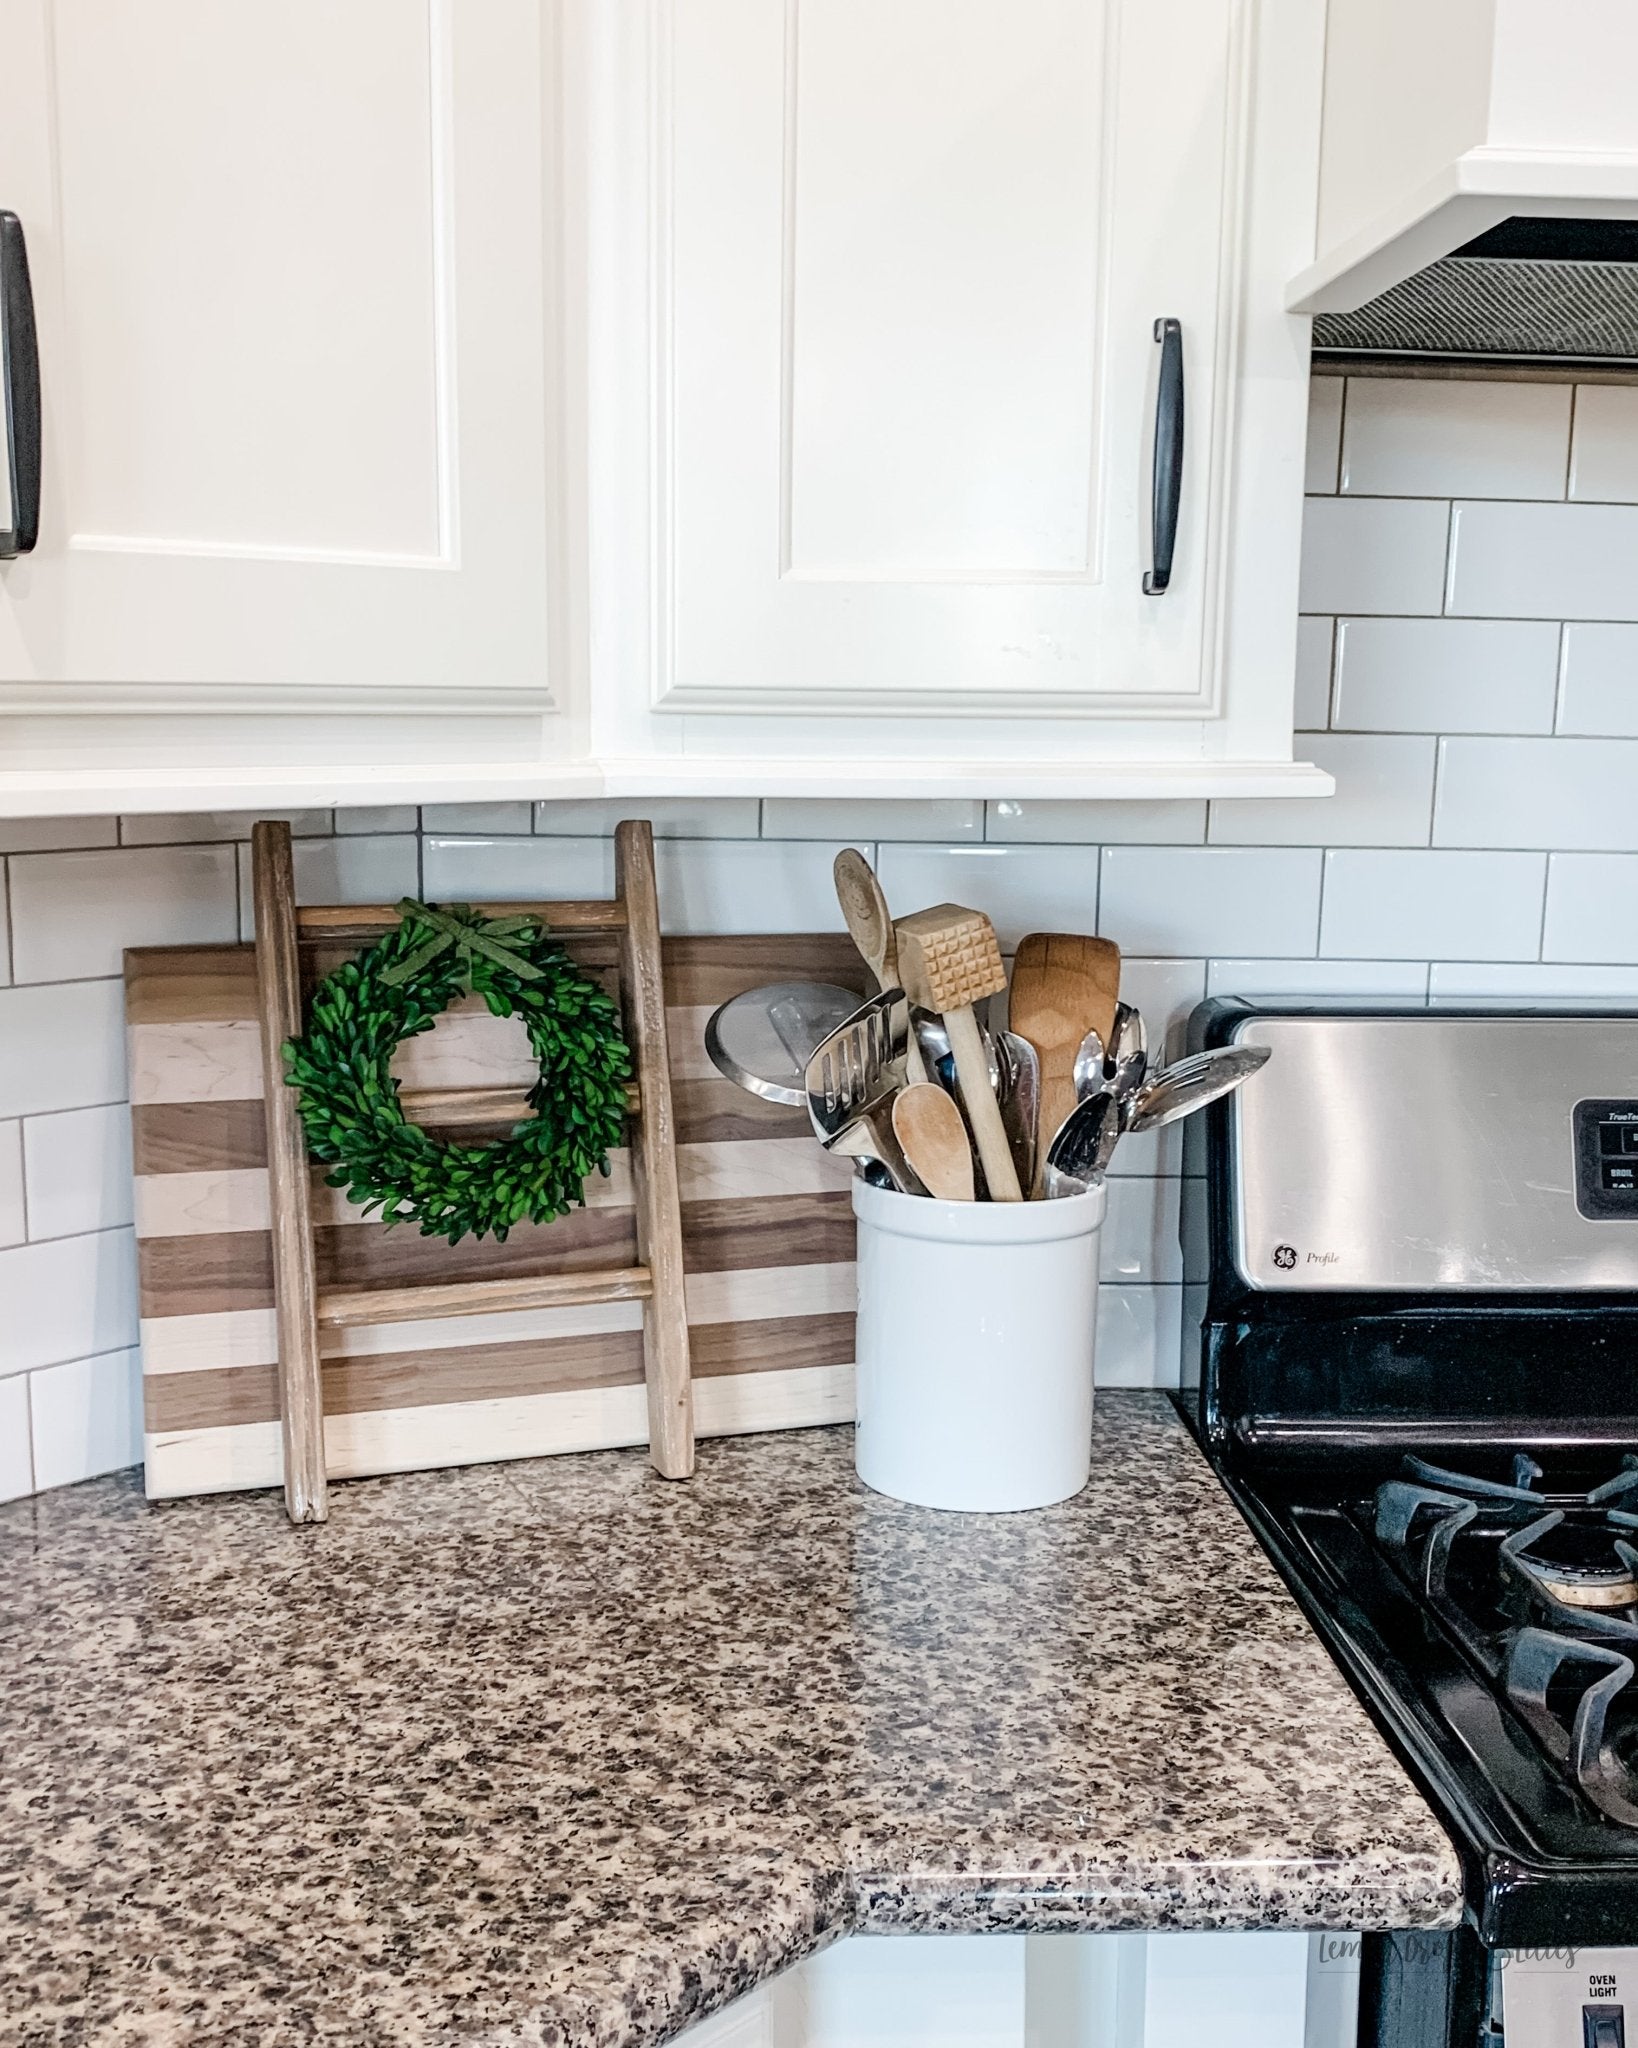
column 1541, row 1592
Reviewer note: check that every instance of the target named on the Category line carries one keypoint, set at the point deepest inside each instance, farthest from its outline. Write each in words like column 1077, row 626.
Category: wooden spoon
column 1063, row 986
column 933, row 1138
column 864, row 909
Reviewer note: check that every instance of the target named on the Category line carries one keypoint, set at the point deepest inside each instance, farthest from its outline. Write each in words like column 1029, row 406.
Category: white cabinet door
column 901, row 266
column 291, row 278
column 1043, row 1991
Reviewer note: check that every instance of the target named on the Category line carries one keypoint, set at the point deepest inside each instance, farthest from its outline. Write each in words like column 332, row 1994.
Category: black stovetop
column 1518, row 1711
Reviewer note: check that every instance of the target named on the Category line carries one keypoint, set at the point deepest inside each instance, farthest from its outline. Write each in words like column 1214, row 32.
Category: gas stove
column 1413, row 1243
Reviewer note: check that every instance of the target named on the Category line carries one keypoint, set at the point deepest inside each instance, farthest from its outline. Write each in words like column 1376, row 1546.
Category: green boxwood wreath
column 400, row 986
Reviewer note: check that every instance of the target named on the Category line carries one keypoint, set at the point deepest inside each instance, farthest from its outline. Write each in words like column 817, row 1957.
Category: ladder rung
column 446, row 1108
column 338, row 923
column 350, row 1310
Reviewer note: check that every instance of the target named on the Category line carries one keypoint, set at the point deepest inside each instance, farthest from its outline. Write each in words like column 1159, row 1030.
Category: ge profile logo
column 1285, row 1257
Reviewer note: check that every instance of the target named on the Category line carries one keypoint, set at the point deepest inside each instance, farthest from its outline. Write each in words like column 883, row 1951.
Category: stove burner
column 1543, row 1595
column 1596, row 1582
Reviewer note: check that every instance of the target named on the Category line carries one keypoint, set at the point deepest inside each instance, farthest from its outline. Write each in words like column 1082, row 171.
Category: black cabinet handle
column 1166, row 489
column 19, row 390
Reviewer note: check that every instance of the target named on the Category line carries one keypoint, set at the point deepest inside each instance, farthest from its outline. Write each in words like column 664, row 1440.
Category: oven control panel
column 1606, row 1159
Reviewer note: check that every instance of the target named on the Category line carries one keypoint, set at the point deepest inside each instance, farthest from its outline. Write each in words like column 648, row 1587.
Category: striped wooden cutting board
column 767, row 1233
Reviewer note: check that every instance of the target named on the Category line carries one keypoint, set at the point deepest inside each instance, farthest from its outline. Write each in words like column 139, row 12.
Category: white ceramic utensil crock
column 975, row 1342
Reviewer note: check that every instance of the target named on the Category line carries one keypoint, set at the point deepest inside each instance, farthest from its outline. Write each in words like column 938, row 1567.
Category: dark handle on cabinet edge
column 1166, row 490
column 19, row 390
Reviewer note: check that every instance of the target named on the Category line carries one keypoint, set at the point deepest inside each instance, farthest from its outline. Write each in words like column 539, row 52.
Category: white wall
column 1470, row 674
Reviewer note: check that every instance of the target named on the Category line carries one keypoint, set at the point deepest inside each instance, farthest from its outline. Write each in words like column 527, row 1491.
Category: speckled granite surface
column 561, row 1753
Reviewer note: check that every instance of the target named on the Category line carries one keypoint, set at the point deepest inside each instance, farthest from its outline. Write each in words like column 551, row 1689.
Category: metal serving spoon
column 1189, row 1084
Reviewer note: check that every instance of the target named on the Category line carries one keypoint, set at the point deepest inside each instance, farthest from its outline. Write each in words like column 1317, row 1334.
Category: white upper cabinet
column 899, row 269
column 460, row 397
column 289, row 279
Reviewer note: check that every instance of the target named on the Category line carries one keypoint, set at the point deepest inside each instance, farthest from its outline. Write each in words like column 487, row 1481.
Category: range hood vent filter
column 1533, row 290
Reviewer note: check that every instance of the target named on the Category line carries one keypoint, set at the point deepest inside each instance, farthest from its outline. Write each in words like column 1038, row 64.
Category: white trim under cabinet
column 647, row 398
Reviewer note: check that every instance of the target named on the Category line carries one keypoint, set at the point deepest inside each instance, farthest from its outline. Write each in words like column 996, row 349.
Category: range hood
column 1478, row 179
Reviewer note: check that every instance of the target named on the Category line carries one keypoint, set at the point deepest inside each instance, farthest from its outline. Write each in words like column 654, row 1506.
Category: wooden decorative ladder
column 632, row 919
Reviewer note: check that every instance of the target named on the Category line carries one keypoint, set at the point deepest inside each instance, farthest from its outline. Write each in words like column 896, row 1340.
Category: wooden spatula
column 1063, row 986
column 948, row 960
column 933, row 1138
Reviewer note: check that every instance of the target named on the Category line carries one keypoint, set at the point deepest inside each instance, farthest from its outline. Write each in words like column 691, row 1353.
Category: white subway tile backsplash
column 515, row 870
column 1604, row 447
column 1541, row 562
column 1530, row 982
column 1374, row 555
column 1386, row 980
column 5, row 930
column 759, row 885
column 1051, row 822
column 87, row 1418
column 1592, row 908
column 16, row 1451
column 673, row 817
column 1446, row 675
column 1384, row 797
column 1571, row 793
column 1410, row 439
column 61, row 1046
column 77, row 1169
column 351, row 818
column 362, row 870
column 73, row 914
column 1398, row 905
column 1019, row 888
column 67, row 1298
column 1325, row 395
column 951, row 821
column 1313, row 699
column 13, row 1216
column 1140, row 1336
column 1210, row 899
column 1138, row 1244
column 489, row 819
column 171, row 828
column 56, row 835
column 1599, row 692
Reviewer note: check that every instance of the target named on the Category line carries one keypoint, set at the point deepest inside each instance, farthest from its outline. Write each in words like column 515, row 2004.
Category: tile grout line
column 28, row 1416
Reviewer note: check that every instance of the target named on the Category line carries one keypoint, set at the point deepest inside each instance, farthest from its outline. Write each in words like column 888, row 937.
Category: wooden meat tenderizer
column 949, row 960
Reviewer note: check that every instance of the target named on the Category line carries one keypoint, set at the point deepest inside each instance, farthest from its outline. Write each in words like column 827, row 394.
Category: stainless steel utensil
column 1089, row 1074
column 762, row 1039
column 1057, row 1187
column 1189, row 1084
column 1015, row 1075
column 933, row 1042
column 1020, row 1095
column 1086, row 1139
column 851, row 1078
column 1126, row 1057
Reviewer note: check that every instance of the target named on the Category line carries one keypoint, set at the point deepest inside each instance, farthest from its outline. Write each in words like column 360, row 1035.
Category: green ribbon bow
column 461, row 927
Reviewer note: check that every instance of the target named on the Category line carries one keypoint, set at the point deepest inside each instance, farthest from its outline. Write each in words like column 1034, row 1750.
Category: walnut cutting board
column 767, row 1236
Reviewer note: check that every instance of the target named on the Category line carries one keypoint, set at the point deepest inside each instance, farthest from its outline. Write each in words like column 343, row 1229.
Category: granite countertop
column 562, row 1752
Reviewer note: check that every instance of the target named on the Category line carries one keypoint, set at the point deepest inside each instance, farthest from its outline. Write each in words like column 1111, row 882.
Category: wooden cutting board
column 767, row 1237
